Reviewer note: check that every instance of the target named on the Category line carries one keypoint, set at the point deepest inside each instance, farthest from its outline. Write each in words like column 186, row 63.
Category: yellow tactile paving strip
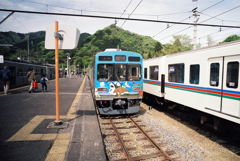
column 72, row 111
column 60, row 145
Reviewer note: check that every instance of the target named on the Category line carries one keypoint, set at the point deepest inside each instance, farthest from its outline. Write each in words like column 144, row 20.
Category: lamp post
column 68, row 64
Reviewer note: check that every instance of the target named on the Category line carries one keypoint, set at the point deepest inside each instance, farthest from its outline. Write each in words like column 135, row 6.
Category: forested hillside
column 110, row 37
column 90, row 45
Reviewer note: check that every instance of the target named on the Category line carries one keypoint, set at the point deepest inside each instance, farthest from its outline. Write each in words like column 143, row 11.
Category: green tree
column 210, row 41
column 231, row 38
column 158, row 47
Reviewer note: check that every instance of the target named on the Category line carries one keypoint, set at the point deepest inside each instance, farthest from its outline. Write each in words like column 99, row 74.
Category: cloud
column 34, row 22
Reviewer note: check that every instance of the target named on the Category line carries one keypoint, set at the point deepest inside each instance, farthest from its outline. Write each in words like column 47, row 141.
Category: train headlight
column 136, row 88
column 102, row 89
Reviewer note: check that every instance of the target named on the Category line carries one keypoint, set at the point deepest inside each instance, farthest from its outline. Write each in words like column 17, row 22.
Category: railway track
column 128, row 139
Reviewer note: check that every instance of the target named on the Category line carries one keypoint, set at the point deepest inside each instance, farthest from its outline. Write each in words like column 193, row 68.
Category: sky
column 162, row 10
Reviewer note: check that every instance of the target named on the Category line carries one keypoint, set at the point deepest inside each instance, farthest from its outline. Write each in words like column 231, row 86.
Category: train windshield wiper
column 108, row 78
column 132, row 80
column 119, row 80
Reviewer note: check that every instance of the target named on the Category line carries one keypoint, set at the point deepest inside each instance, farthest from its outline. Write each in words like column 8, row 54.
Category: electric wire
column 17, row 20
column 132, row 12
column 221, row 14
column 45, row 4
column 219, row 18
column 212, row 6
column 170, row 26
column 124, row 10
column 107, row 17
column 185, row 19
column 203, row 21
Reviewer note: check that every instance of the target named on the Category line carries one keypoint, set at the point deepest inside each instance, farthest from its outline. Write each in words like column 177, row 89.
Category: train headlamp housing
column 136, row 88
column 102, row 89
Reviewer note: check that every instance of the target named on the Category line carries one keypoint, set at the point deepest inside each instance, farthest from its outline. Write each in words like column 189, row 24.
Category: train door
column 231, row 89
column 13, row 76
column 214, row 83
column 41, row 72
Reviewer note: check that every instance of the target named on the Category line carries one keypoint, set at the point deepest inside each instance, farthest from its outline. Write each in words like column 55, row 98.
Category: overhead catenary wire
column 203, row 21
column 219, row 18
column 45, row 4
column 185, row 19
column 170, row 26
column 215, row 33
column 212, row 5
column 107, row 17
column 132, row 12
column 221, row 14
column 125, row 10
column 17, row 20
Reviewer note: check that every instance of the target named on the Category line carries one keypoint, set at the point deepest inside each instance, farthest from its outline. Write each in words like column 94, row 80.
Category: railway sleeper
column 149, row 156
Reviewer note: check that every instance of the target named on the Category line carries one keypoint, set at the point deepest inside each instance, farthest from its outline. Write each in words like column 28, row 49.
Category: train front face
column 118, row 82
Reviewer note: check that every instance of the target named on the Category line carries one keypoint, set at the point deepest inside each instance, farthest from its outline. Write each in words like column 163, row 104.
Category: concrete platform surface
column 27, row 132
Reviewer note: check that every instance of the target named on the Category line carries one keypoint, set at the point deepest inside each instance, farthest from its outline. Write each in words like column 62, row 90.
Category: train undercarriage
column 118, row 106
column 225, row 127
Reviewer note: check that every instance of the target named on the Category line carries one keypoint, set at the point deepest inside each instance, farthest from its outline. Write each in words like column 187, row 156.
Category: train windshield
column 104, row 72
column 120, row 72
column 134, row 72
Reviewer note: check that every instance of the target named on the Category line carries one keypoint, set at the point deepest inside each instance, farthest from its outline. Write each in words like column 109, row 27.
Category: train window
column 145, row 73
column 104, row 72
column 232, row 74
column 105, row 58
column 134, row 72
column 176, row 73
column 20, row 72
column 194, row 74
column 214, row 74
column 153, row 72
column 120, row 57
column 120, row 72
column 134, row 59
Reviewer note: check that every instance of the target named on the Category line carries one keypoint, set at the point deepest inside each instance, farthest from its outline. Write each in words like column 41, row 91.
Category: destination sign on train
column 120, row 58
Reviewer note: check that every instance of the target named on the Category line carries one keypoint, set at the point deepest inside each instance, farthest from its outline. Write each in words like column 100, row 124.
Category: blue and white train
column 19, row 71
column 118, row 82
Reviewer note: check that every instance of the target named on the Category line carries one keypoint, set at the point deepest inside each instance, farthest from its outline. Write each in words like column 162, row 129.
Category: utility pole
column 74, row 68
column 195, row 14
column 28, row 47
column 68, row 66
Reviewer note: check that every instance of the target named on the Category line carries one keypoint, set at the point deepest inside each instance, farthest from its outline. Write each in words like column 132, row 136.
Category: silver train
column 19, row 71
column 203, row 83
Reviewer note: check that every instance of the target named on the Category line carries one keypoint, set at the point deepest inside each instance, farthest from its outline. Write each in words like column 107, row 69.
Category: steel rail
column 115, row 18
column 165, row 155
column 129, row 158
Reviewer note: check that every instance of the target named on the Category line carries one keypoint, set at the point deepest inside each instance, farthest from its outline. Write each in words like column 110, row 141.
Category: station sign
column 1, row 59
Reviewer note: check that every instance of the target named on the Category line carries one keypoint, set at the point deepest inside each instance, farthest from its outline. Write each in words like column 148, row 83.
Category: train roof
column 198, row 50
column 26, row 62
column 118, row 52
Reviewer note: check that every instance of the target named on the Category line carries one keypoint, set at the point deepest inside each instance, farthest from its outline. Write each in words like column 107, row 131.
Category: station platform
column 27, row 130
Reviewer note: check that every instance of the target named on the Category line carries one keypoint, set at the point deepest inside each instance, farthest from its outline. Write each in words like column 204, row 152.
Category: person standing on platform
column 5, row 75
column 44, row 81
column 65, row 74
column 31, row 78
